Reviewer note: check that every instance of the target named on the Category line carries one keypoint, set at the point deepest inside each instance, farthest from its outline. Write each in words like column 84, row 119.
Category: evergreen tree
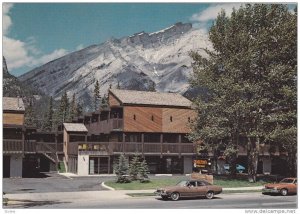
column 143, row 171
column 134, row 167
column 73, row 108
column 97, row 96
column 104, row 102
column 48, row 124
column 30, row 119
column 121, row 169
column 118, row 86
column 79, row 110
column 62, row 115
column 152, row 87
column 249, row 80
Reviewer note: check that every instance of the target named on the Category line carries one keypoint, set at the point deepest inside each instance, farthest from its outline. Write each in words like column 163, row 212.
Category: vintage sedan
column 190, row 188
column 284, row 187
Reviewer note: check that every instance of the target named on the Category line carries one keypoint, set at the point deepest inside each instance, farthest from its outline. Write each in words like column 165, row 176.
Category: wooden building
column 151, row 124
column 13, row 136
column 26, row 151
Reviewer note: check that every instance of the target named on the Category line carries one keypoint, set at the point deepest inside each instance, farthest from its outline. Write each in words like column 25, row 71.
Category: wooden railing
column 30, row 146
column 105, row 126
column 131, row 147
column 12, row 146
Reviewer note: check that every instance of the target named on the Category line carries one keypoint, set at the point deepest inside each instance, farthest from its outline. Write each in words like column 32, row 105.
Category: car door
column 191, row 189
column 293, row 187
column 201, row 188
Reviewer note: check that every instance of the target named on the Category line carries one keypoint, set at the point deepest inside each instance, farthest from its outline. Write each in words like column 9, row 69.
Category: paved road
column 118, row 200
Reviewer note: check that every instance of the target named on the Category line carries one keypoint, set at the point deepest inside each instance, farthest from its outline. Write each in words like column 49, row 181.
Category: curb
column 107, row 187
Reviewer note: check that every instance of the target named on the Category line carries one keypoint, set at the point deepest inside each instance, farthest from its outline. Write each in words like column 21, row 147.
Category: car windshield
column 287, row 180
column 181, row 183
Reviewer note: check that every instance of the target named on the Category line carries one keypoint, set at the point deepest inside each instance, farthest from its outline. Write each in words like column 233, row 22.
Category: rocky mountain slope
column 12, row 87
column 134, row 62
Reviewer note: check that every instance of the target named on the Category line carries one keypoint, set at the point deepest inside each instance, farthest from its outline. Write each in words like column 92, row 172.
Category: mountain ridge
column 133, row 62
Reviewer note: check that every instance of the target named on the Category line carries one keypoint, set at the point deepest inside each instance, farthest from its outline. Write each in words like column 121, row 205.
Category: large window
column 170, row 138
column 133, row 137
column 151, row 138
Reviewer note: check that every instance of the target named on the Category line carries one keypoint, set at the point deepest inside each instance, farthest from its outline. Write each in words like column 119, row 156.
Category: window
column 152, row 118
column 134, row 117
column 171, row 119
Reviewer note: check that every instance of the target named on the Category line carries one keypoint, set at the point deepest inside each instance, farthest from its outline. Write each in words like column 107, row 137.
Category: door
column 6, row 166
column 99, row 165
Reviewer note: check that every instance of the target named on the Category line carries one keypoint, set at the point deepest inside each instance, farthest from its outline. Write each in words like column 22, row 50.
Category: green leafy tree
column 48, row 124
column 121, row 169
column 97, row 96
column 249, row 81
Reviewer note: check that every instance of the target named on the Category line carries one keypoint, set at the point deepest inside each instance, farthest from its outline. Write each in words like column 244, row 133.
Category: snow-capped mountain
column 134, row 62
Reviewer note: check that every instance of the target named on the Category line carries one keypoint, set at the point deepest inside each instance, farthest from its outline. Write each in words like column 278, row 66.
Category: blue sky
column 36, row 33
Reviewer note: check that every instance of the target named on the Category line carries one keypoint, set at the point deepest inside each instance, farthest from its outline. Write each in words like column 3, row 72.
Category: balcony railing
column 105, row 126
column 12, row 146
column 131, row 147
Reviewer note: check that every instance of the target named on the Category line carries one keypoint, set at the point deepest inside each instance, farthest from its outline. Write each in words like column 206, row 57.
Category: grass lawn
column 161, row 182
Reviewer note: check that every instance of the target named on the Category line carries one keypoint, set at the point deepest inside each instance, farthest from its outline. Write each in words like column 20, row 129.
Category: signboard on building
column 201, row 163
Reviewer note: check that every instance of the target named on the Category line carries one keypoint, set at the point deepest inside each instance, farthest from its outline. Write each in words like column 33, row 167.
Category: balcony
column 105, row 126
column 12, row 146
column 110, row 148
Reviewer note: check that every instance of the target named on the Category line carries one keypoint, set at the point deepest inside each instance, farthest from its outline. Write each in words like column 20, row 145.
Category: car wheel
column 175, row 196
column 283, row 192
column 209, row 195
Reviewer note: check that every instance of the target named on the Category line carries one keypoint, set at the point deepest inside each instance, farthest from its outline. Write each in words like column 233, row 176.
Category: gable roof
column 13, row 104
column 75, row 127
column 151, row 98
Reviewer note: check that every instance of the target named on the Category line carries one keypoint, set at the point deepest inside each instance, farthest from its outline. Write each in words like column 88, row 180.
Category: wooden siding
column 112, row 100
column 179, row 117
column 143, row 119
column 161, row 119
column 13, row 118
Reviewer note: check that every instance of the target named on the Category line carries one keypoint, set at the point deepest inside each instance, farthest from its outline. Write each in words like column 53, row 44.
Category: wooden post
column 108, row 164
column 143, row 145
column 179, row 141
column 161, row 145
column 23, row 140
column 123, row 142
column 56, row 160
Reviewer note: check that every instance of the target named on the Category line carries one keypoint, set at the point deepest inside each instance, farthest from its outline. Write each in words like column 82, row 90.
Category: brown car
column 284, row 187
column 191, row 188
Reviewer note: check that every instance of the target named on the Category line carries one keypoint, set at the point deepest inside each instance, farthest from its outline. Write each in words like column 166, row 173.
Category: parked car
column 239, row 168
column 189, row 188
column 284, row 187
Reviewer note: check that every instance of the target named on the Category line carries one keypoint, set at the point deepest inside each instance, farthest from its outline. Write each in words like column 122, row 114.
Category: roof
column 75, row 127
column 150, row 98
column 13, row 104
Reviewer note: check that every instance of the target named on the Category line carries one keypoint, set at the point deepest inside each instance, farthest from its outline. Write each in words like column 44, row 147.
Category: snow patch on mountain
column 135, row 62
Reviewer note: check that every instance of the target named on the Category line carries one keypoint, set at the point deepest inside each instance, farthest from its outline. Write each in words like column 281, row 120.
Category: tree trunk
column 253, row 155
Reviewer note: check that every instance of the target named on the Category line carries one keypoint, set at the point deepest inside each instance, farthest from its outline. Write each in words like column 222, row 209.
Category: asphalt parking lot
column 53, row 182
